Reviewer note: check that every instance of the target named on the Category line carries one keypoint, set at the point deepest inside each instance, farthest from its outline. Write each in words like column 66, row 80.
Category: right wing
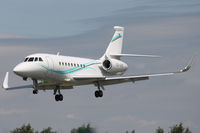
column 118, row 80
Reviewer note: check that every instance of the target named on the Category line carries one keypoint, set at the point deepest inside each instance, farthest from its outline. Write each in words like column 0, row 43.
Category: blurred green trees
column 83, row 129
column 28, row 129
column 177, row 128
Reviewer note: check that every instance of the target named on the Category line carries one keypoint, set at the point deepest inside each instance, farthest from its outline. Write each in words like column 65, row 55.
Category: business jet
column 56, row 72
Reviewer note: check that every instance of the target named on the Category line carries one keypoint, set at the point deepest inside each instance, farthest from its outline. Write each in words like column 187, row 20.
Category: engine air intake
column 107, row 64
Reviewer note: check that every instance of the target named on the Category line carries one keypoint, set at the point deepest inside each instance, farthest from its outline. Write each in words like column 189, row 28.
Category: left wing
column 5, row 84
column 117, row 80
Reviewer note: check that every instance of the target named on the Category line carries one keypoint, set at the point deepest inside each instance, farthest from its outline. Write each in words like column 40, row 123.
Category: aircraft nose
column 31, row 70
column 18, row 69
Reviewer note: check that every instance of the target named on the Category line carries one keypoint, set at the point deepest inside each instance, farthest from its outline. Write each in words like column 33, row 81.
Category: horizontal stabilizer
column 133, row 55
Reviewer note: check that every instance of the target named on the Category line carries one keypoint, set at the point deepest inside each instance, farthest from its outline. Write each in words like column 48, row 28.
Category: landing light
column 67, row 79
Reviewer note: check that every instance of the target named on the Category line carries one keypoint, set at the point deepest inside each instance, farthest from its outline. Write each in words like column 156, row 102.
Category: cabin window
column 63, row 63
column 36, row 59
column 40, row 59
column 59, row 63
column 77, row 65
column 31, row 59
column 68, row 64
column 72, row 64
column 26, row 60
column 81, row 65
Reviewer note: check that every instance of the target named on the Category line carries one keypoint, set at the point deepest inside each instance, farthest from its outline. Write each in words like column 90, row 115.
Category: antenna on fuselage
column 58, row 53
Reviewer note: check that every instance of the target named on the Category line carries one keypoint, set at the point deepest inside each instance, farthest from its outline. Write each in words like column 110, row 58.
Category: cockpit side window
column 40, row 59
column 25, row 59
column 36, row 59
column 31, row 59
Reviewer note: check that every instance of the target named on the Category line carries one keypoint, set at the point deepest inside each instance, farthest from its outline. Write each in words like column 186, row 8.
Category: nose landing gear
column 35, row 91
column 35, row 84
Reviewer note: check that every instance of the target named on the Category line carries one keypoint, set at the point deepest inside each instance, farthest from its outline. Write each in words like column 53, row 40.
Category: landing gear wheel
column 96, row 93
column 100, row 93
column 59, row 97
column 35, row 91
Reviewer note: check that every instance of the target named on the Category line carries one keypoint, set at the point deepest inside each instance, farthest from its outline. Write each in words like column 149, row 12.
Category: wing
column 5, row 84
column 118, row 80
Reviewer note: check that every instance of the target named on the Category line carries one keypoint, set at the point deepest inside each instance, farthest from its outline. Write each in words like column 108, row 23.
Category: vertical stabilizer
column 115, row 46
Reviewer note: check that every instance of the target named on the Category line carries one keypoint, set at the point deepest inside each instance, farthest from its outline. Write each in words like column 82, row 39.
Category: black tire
column 100, row 93
column 60, row 97
column 96, row 93
column 57, row 97
column 35, row 91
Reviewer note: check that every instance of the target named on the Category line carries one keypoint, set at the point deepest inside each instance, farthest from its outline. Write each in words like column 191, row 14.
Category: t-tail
column 114, row 49
column 111, row 62
column 115, row 45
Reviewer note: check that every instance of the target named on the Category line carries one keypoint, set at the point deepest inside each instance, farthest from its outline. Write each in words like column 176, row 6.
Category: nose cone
column 31, row 70
column 18, row 69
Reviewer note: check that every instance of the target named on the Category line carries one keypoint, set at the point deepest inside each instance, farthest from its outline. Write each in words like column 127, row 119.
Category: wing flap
column 118, row 80
column 86, row 77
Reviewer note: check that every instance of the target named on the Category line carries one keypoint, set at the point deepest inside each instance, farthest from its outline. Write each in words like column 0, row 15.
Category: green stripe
column 116, row 37
column 71, row 70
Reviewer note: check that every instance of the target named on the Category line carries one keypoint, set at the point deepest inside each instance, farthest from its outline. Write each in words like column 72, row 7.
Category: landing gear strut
column 99, row 92
column 25, row 78
column 35, row 83
column 59, row 96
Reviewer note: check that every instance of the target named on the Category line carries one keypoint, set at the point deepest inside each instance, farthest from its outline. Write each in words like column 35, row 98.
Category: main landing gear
column 59, row 96
column 99, row 92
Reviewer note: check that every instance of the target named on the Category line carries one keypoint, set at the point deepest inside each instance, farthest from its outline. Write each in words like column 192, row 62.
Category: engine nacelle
column 114, row 66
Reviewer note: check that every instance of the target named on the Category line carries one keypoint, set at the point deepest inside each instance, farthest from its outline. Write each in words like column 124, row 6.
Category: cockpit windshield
column 33, row 59
column 25, row 59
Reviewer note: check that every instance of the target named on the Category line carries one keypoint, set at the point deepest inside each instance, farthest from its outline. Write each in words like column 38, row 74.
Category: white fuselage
column 61, row 69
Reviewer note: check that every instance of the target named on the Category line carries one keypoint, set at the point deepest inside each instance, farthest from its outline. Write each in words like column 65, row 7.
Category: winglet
column 5, row 82
column 188, row 66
